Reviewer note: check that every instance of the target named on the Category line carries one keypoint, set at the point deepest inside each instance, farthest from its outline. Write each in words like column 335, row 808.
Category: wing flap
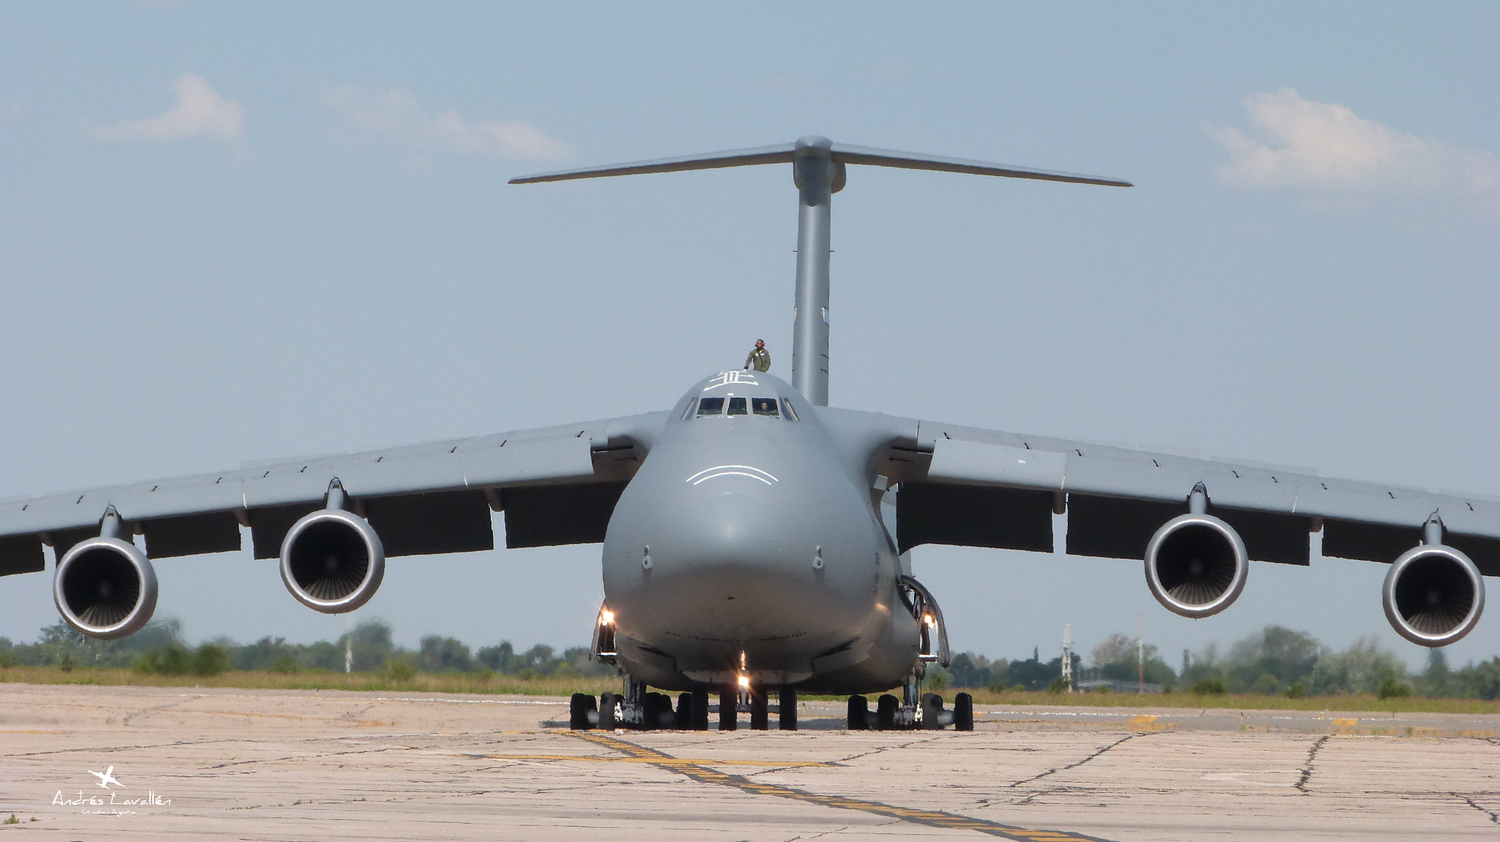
column 211, row 532
column 1484, row 552
column 1115, row 527
column 973, row 516
column 1270, row 536
column 21, row 554
column 269, row 526
column 547, row 516
column 1367, row 541
column 428, row 524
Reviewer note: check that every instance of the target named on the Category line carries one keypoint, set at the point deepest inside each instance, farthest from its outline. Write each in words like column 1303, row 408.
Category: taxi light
column 606, row 618
column 745, row 681
column 927, row 618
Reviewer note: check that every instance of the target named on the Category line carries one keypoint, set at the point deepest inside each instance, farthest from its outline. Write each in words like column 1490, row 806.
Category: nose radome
column 729, row 530
column 733, row 516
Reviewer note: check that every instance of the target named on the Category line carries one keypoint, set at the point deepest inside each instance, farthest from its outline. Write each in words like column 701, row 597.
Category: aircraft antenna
column 819, row 169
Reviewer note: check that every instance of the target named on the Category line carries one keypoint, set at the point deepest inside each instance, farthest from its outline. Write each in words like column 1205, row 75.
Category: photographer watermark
column 111, row 802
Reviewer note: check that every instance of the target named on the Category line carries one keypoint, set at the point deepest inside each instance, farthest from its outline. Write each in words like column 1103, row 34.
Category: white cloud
column 395, row 115
column 1323, row 146
column 199, row 112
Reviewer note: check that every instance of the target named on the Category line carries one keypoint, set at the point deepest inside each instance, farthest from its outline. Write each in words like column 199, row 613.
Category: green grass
column 499, row 684
column 1234, row 701
column 460, row 682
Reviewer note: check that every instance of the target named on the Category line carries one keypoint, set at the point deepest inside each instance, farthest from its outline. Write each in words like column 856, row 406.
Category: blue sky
column 240, row 232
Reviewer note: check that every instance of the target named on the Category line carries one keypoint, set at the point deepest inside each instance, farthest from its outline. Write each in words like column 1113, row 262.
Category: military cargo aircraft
column 755, row 539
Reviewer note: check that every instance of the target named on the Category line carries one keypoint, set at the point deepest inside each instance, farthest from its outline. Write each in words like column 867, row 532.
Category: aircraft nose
column 729, row 519
column 736, row 533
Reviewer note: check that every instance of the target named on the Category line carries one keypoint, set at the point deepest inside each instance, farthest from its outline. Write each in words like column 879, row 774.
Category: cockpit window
column 710, row 406
column 764, row 406
column 737, row 406
column 790, row 413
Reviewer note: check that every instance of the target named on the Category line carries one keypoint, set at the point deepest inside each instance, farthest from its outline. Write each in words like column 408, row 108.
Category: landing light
column 927, row 618
column 606, row 617
column 745, row 681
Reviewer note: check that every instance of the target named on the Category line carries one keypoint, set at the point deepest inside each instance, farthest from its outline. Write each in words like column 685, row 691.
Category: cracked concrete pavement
column 273, row 765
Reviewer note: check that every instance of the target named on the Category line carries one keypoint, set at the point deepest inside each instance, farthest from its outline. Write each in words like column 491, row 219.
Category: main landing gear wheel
column 859, row 713
column 579, row 708
column 788, row 709
column 932, row 708
column 885, row 712
column 700, row 709
column 607, row 703
column 963, row 712
column 760, row 709
column 684, row 719
column 653, row 705
column 728, row 700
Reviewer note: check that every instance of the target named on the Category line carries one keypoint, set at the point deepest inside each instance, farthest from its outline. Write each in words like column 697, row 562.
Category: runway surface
column 308, row 765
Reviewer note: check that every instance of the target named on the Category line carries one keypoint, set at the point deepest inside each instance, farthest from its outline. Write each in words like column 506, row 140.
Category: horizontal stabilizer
column 840, row 153
column 846, row 154
column 713, row 160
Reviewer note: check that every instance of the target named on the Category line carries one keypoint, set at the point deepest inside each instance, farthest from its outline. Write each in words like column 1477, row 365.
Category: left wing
column 556, row 485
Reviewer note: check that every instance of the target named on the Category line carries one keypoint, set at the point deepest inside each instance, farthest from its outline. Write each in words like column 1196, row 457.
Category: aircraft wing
column 556, row 485
column 996, row 489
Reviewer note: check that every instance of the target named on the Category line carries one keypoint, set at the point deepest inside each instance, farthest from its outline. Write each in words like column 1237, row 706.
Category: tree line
column 368, row 647
column 1274, row 660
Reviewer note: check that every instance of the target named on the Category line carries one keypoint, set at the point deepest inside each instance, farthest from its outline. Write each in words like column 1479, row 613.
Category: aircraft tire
column 885, row 712
column 684, row 712
column 859, row 713
column 963, row 712
column 700, row 709
column 932, row 705
column 650, row 712
column 607, row 711
column 728, row 700
column 788, row 709
column 578, row 711
column 760, row 709
column 665, row 718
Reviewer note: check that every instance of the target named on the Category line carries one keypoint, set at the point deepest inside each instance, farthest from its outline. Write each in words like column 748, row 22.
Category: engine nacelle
column 1433, row 595
column 1196, row 565
column 332, row 561
column 105, row 588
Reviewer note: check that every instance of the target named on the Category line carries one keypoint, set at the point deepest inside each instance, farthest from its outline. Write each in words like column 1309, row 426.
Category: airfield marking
column 929, row 818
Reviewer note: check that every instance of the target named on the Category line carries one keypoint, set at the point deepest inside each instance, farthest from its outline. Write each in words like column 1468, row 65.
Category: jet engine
column 332, row 561
column 1433, row 595
column 105, row 588
column 1196, row 565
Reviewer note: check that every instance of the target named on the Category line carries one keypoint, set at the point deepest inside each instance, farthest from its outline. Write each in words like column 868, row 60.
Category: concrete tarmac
column 309, row 765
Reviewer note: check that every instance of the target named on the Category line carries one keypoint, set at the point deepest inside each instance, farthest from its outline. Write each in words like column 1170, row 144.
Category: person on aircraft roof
column 759, row 357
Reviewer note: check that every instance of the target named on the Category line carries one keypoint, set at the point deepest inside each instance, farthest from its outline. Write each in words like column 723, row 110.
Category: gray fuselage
column 750, row 545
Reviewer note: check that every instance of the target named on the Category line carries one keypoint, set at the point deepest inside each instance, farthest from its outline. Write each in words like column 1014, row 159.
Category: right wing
column 1116, row 497
column 556, row 485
